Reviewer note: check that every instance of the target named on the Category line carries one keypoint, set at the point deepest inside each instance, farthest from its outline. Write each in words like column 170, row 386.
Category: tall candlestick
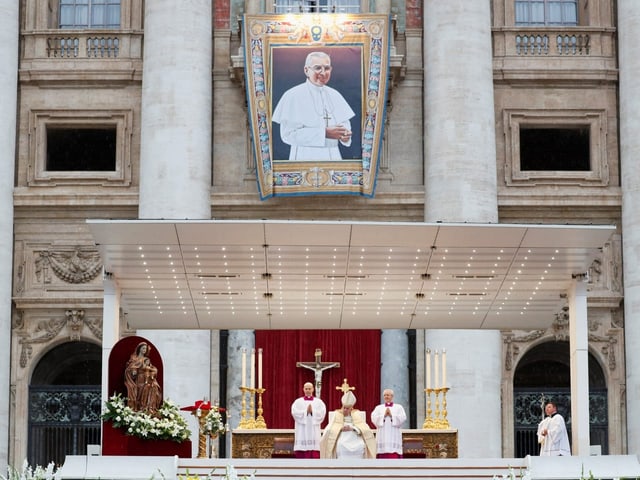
column 260, row 368
column 244, row 368
column 444, row 368
column 436, row 368
column 253, row 368
column 428, row 368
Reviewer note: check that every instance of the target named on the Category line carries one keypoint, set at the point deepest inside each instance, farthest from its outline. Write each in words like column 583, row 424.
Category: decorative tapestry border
column 316, row 94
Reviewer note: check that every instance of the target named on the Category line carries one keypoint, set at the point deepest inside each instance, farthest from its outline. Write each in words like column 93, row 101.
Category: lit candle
column 428, row 368
column 260, row 368
column 436, row 368
column 253, row 368
column 444, row 368
column 244, row 368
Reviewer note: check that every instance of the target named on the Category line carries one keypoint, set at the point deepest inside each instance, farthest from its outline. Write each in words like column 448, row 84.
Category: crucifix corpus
column 318, row 366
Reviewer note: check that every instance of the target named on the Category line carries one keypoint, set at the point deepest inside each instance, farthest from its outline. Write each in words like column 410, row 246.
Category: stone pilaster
column 175, row 160
column 175, row 150
column 238, row 339
column 460, row 186
column 394, row 373
column 629, row 61
column 9, row 37
column 460, row 151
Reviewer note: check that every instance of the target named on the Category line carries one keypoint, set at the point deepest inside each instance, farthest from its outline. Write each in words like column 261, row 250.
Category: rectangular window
column 317, row 6
column 81, row 149
column 553, row 149
column 546, row 12
column 89, row 14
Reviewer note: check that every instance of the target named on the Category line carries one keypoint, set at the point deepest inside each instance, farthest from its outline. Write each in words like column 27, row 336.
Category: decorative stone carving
column 46, row 330
column 78, row 266
column 512, row 351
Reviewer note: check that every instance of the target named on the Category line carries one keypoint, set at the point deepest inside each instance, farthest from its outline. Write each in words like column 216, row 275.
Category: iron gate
column 63, row 420
column 528, row 404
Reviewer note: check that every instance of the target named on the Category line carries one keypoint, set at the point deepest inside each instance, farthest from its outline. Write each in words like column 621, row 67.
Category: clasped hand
column 338, row 132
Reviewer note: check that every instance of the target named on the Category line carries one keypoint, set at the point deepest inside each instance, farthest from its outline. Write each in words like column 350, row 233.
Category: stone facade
column 561, row 76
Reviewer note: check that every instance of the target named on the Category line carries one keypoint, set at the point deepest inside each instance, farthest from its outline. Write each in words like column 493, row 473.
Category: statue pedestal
column 115, row 442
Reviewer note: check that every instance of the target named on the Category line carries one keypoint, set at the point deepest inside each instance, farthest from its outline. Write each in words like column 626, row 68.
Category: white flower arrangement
column 168, row 424
column 214, row 422
column 30, row 473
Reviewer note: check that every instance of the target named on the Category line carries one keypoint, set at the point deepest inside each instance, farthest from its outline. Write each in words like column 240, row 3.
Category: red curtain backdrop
column 358, row 352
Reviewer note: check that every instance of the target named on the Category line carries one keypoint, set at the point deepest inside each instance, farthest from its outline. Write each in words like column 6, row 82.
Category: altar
column 269, row 443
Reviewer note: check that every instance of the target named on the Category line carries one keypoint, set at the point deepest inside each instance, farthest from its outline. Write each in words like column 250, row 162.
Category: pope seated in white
column 314, row 118
column 348, row 435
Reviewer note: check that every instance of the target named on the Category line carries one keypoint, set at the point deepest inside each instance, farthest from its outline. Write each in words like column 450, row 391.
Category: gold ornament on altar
column 251, row 416
column 436, row 419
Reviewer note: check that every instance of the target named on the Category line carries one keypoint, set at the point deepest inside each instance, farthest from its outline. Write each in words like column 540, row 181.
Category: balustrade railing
column 75, row 44
column 553, row 42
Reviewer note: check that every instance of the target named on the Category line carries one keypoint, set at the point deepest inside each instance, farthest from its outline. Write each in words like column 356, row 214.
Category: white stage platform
column 534, row 468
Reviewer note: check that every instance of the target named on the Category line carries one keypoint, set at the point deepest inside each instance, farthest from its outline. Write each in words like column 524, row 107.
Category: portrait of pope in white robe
column 315, row 120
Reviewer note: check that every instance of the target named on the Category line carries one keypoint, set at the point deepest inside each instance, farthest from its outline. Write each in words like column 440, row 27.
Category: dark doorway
column 65, row 403
column 542, row 375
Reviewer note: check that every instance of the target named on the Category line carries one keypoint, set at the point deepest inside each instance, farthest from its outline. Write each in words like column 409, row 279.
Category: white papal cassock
column 304, row 112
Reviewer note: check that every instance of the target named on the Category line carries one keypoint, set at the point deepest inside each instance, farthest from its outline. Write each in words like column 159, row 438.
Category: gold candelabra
column 248, row 418
column 436, row 419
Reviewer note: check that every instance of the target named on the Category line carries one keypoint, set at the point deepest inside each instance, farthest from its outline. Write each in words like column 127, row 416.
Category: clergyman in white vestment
column 348, row 435
column 552, row 434
column 308, row 412
column 314, row 118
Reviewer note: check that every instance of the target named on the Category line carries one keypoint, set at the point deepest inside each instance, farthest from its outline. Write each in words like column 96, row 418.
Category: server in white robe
column 388, row 418
column 308, row 412
column 552, row 434
column 314, row 118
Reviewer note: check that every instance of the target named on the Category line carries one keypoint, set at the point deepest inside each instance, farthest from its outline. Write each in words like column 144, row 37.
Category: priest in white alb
column 388, row 419
column 308, row 412
column 314, row 118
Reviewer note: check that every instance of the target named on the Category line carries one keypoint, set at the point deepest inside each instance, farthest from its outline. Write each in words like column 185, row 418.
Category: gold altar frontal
column 268, row 443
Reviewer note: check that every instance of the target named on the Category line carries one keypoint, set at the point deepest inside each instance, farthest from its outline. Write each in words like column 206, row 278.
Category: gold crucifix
column 318, row 366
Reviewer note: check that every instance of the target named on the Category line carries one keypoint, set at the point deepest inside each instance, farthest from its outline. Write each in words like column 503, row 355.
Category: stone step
column 290, row 469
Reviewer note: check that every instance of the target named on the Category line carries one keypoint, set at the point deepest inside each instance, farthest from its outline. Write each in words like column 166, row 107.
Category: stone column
column 175, row 162
column 460, row 186
column 460, row 150
column 394, row 372
column 238, row 339
column 9, row 36
column 383, row 6
column 175, row 150
column 252, row 7
column 110, row 328
column 579, row 358
column 629, row 61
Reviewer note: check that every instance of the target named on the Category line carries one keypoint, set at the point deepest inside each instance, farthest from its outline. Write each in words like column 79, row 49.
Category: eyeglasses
column 320, row 68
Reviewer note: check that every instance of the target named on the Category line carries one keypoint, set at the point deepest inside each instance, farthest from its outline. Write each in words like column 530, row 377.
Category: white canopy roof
column 215, row 274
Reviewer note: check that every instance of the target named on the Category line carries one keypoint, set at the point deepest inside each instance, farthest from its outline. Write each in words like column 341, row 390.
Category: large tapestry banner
column 316, row 95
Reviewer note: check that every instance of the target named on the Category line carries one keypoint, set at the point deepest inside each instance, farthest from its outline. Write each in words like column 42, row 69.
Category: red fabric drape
column 358, row 352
